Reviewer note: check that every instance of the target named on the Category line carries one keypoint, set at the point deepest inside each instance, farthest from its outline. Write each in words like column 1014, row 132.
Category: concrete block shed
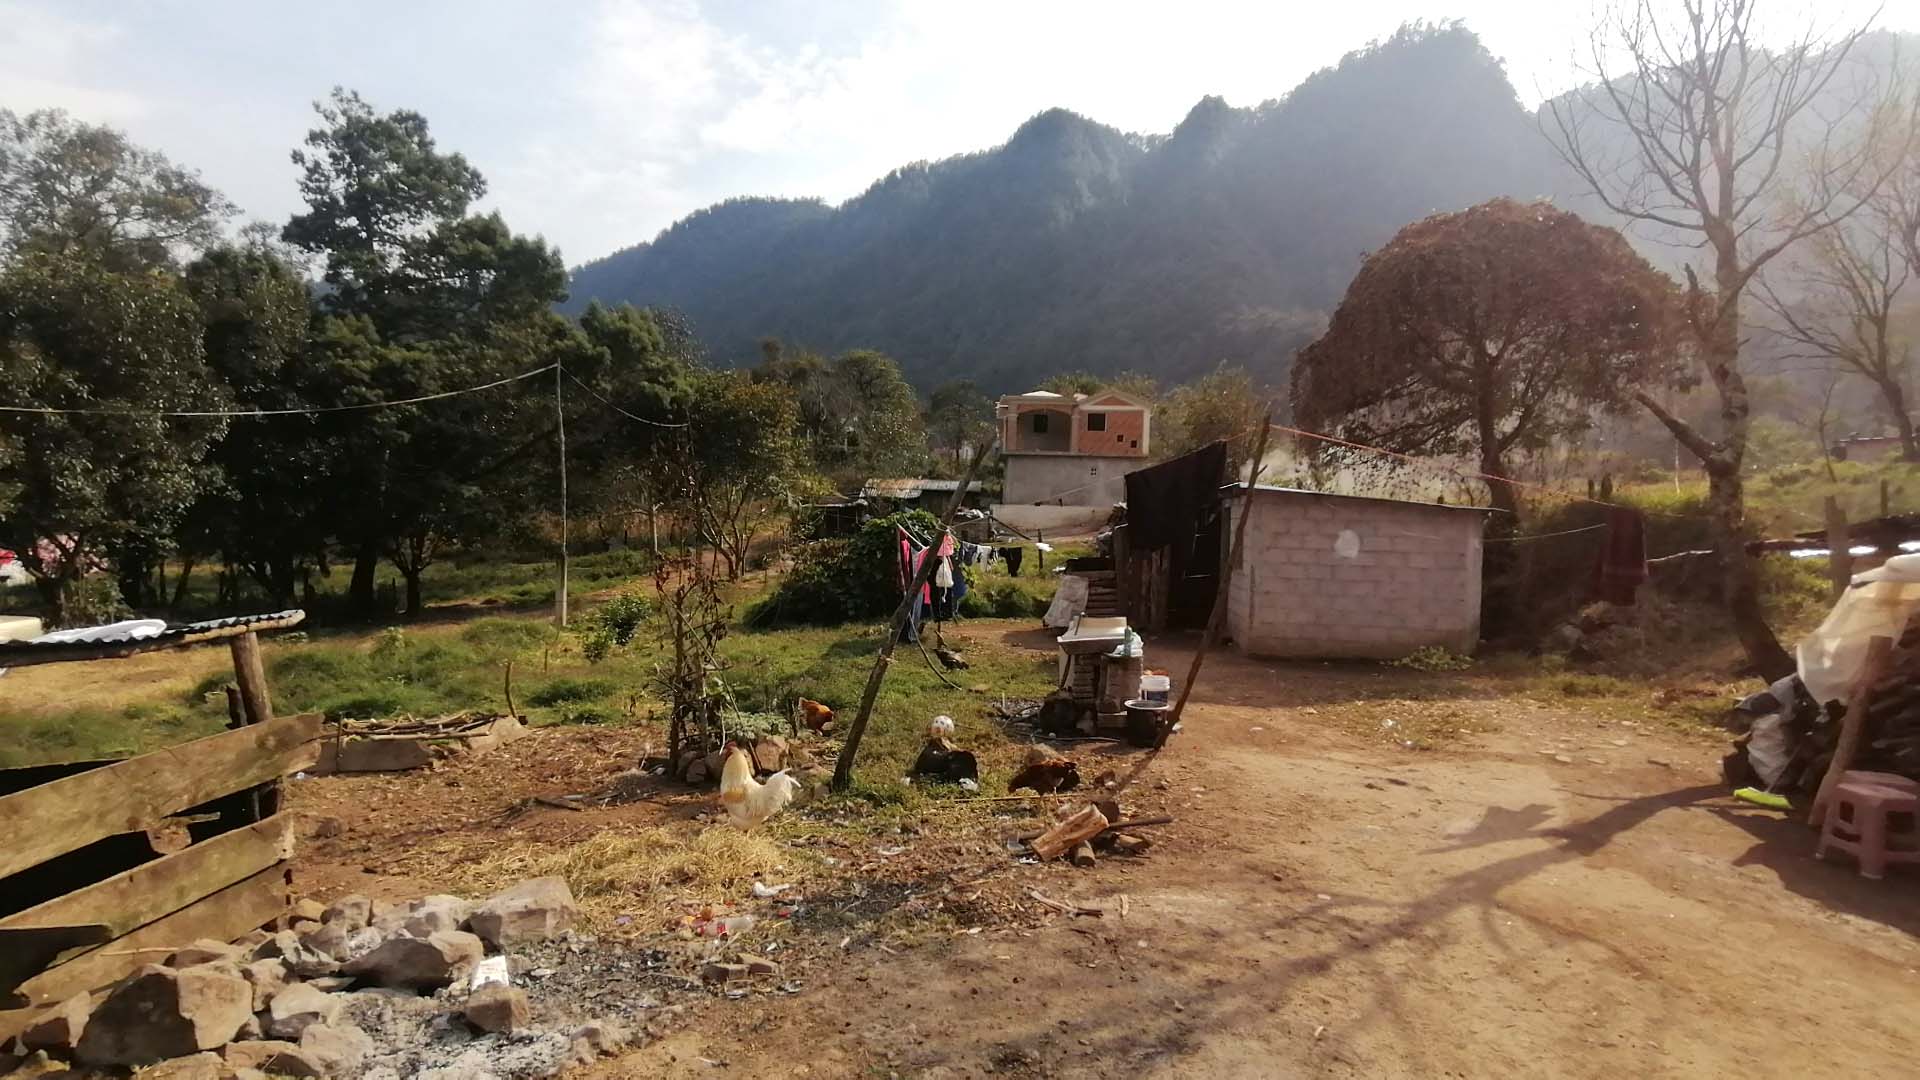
column 1338, row 576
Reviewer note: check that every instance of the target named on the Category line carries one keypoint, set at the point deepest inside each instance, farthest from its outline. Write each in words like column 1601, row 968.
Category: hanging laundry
column 1011, row 556
column 943, row 575
column 1622, row 564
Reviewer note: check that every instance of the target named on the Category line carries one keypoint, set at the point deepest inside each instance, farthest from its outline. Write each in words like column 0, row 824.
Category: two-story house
column 1071, row 451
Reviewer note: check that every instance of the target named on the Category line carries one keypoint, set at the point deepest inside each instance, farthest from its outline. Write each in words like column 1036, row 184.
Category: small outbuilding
column 1338, row 576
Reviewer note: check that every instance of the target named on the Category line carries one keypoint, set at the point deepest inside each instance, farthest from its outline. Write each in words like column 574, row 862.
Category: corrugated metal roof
column 910, row 489
column 40, row 651
column 1276, row 490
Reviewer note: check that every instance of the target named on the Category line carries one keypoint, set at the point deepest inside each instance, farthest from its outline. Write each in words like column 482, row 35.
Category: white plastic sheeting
column 1069, row 600
column 1876, row 604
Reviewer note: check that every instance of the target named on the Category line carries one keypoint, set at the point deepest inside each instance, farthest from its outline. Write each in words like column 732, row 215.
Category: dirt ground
column 1548, row 895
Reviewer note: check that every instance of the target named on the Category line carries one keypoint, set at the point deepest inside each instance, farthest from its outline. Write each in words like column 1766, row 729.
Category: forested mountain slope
column 1077, row 246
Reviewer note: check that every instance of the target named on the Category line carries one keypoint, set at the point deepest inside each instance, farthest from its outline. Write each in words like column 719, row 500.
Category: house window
column 1097, row 421
column 1039, row 423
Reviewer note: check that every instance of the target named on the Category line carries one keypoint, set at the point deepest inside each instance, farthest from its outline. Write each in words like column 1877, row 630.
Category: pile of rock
column 299, row 1001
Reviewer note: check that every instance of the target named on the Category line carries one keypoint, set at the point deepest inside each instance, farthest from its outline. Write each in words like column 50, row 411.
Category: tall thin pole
column 843, row 769
column 560, row 417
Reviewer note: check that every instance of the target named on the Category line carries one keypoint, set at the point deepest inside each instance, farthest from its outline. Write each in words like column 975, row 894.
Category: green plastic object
column 1763, row 798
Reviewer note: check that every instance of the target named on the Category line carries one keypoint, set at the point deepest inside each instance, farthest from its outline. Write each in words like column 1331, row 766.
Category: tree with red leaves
column 1495, row 330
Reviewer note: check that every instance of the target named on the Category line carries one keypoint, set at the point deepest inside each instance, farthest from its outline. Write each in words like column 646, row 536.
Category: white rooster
column 749, row 802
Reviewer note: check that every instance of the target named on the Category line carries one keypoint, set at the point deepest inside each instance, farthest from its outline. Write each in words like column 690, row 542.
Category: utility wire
column 282, row 412
column 618, row 409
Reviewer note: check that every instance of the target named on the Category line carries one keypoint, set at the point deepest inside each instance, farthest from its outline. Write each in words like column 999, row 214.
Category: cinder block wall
column 1073, row 479
column 1329, row 576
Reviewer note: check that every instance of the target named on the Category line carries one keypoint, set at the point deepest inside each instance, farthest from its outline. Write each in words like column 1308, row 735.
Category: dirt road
column 1331, row 905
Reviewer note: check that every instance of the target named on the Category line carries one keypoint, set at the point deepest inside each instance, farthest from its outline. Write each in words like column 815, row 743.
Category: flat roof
column 1274, row 489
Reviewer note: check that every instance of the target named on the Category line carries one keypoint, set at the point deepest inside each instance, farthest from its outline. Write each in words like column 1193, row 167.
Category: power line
column 618, row 409
column 242, row 413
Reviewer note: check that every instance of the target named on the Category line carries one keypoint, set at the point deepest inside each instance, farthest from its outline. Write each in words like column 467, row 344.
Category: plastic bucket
column 1156, row 687
column 1144, row 720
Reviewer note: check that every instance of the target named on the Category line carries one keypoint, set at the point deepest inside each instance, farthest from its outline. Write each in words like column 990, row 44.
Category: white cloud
column 48, row 59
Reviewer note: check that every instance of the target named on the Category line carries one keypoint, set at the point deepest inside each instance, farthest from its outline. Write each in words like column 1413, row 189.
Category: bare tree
column 1695, row 135
column 1817, row 412
column 1841, row 309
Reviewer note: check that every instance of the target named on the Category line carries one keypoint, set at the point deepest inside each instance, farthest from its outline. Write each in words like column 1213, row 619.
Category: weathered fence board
column 148, row 892
column 136, row 794
column 222, row 915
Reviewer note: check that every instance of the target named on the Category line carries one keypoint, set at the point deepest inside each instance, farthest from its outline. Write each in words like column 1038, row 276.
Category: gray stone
column 596, row 1038
column 267, row 977
column 205, row 951
column 276, row 946
column 252, row 1029
column 421, row 963
column 436, row 914
column 533, row 910
column 61, row 1027
column 298, row 1008
column 309, row 909
column 352, row 912
column 329, row 938
column 336, row 1051
column 160, row 1013
column 389, row 916
column 498, row 1009
column 760, row 965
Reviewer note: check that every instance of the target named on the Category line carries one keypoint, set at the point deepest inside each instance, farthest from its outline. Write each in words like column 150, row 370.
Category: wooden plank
column 137, row 793
column 151, row 891
column 223, row 916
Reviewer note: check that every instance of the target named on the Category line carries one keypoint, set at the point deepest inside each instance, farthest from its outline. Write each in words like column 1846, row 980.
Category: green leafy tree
column 69, row 188
column 1498, row 329
column 77, row 335
column 741, row 462
column 423, row 298
column 1223, row 404
column 857, row 414
column 959, row 415
column 268, row 515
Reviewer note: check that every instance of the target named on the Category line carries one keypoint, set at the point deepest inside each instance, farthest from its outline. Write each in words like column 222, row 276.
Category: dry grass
column 621, row 869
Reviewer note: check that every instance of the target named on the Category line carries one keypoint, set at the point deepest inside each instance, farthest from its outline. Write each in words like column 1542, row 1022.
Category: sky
column 600, row 122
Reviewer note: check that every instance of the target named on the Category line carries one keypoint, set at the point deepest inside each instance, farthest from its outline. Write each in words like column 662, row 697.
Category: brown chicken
column 1047, row 777
column 815, row 716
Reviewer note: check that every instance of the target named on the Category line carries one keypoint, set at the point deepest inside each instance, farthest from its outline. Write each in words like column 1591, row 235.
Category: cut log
column 1083, row 854
column 1852, row 725
column 1085, row 824
column 1128, row 844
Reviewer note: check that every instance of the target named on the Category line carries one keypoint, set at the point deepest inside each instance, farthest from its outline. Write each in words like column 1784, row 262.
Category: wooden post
column 1839, row 548
column 1216, row 619
column 843, row 769
column 247, row 671
column 257, row 704
column 1853, row 725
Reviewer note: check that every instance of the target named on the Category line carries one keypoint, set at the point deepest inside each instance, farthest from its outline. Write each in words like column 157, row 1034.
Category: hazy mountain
column 1074, row 245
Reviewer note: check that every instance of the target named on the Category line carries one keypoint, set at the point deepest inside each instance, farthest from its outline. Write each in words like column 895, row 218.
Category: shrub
column 836, row 581
column 612, row 623
column 1434, row 658
column 1002, row 600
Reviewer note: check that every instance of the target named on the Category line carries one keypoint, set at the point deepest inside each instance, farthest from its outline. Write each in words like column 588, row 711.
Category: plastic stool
column 1858, row 822
column 1884, row 779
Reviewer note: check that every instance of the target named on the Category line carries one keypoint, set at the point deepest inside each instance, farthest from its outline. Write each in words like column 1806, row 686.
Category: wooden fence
column 86, row 897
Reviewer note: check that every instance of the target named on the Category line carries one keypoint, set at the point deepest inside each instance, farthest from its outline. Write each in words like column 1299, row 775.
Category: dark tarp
column 1166, row 503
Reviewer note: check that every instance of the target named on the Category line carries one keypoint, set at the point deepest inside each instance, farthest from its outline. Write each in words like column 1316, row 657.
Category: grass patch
column 566, row 691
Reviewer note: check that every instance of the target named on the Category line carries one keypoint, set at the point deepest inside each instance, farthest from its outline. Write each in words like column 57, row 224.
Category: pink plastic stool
column 1858, row 822
column 1884, row 779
